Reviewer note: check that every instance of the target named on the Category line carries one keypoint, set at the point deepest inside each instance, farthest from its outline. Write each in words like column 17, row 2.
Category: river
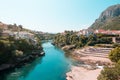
column 53, row 66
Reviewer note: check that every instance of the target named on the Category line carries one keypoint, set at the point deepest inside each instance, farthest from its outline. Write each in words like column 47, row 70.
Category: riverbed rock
column 80, row 73
column 93, row 55
column 68, row 47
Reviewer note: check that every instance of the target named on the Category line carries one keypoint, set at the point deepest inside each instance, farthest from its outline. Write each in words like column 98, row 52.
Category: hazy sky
column 53, row 15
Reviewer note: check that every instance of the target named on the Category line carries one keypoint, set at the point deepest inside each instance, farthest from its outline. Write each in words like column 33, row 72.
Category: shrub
column 108, row 74
column 115, row 54
column 17, row 53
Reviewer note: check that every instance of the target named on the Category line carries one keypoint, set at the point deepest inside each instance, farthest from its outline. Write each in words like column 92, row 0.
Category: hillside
column 12, row 27
column 109, row 19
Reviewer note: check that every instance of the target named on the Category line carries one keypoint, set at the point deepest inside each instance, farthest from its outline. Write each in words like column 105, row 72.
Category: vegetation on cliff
column 17, row 45
column 11, row 49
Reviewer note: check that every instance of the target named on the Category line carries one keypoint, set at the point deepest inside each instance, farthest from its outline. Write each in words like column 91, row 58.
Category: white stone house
column 85, row 32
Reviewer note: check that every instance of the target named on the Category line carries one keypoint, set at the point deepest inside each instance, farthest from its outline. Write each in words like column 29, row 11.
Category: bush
column 112, row 73
column 116, row 45
column 117, row 66
column 115, row 54
column 108, row 74
column 17, row 53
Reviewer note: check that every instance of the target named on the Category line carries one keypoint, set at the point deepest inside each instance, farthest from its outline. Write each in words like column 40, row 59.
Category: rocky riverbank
column 95, row 56
column 92, row 55
column 21, row 61
column 81, row 73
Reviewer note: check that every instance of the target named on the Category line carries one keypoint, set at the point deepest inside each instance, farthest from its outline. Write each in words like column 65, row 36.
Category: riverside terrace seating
column 95, row 52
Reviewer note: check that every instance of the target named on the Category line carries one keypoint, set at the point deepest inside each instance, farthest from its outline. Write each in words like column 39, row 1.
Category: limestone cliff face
column 109, row 19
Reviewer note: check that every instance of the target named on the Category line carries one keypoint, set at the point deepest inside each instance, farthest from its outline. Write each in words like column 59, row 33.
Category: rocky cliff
column 109, row 19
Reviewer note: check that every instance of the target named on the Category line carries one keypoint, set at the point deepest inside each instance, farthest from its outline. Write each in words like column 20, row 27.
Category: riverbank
column 81, row 73
column 92, row 56
column 54, row 64
column 21, row 61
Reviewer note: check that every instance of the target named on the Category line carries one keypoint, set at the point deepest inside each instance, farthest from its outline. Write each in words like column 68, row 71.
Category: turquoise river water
column 53, row 66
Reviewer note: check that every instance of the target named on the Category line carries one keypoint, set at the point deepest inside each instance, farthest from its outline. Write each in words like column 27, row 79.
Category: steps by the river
column 96, row 52
column 93, row 55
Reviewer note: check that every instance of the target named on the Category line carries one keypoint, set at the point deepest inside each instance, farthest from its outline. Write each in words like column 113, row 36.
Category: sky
column 53, row 15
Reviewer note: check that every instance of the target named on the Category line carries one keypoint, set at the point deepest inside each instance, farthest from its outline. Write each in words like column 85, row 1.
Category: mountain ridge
column 109, row 19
